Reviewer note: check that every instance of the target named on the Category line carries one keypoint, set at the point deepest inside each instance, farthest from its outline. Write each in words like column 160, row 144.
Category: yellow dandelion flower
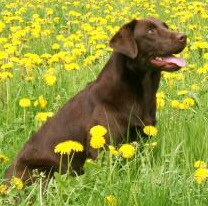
column 183, row 106
column 206, row 56
column 5, row 75
column 3, row 55
column 68, row 146
column 97, row 142
column 175, row 104
column 50, row 79
column 189, row 101
column 17, row 183
column 113, row 150
column 200, row 164
column 55, row 46
column 2, row 26
column 202, row 70
column 150, row 130
column 49, row 11
column 201, row 175
column 3, row 189
column 29, row 78
column 35, row 16
column 60, row 37
column 3, row 158
column 98, row 130
column 46, row 56
column 41, row 102
column 127, row 151
column 71, row 66
column 111, row 200
column 182, row 92
column 3, row 40
column 160, row 103
column 8, row 65
column 195, row 87
column 160, row 95
column 43, row 116
column 25, row 102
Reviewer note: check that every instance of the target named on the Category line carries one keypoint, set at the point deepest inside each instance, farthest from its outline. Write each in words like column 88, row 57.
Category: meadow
column 49, row 51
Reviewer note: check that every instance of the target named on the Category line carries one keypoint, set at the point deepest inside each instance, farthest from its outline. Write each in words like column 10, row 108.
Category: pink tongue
column 175, row 60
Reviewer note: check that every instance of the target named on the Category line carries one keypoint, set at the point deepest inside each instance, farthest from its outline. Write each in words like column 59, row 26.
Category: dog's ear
column 123, row 41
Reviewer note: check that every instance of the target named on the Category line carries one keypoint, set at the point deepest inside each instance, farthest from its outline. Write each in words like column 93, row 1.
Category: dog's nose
column 181, row 37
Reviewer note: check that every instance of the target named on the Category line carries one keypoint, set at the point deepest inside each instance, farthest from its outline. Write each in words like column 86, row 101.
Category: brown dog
column 123, row 96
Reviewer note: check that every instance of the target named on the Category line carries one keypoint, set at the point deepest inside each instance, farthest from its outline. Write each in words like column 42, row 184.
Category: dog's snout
column 181, row 37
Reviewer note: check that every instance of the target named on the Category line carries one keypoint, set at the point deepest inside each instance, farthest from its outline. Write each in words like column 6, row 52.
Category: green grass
column 160, row 176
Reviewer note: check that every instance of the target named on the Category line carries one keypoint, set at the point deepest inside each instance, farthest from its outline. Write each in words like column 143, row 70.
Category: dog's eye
column 150, row 30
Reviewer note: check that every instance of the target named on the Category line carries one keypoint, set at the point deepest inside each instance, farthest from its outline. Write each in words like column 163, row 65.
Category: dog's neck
column 132, row 74
column 138, row 87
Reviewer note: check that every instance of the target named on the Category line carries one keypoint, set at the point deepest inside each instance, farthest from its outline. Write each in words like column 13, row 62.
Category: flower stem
column 60, row 165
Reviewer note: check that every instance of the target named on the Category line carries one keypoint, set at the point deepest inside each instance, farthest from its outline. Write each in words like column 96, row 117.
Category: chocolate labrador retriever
column 122, row 97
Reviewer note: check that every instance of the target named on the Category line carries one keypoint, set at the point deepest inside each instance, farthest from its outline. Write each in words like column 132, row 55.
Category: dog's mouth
column 168, row 63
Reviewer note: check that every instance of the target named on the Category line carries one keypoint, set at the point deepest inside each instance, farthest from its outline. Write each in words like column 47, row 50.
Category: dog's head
column 152, row 40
